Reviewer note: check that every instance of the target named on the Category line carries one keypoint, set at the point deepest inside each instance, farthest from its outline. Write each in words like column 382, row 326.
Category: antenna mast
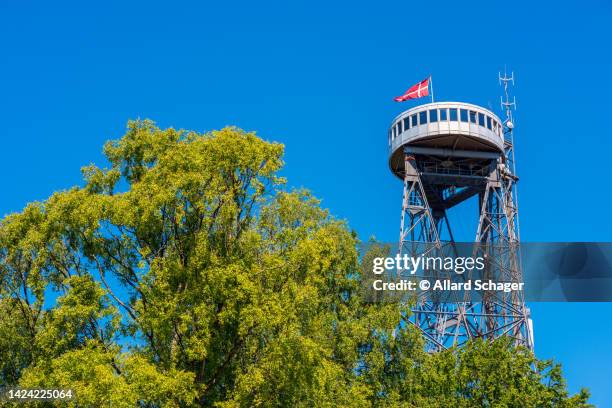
column 508, row 107
column 511, row 190
column 505, row 100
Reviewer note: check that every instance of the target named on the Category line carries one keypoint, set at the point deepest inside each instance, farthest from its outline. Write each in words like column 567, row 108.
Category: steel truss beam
column 451, row 321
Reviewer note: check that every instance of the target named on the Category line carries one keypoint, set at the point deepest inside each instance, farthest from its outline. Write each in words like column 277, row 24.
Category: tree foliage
column 185, row 274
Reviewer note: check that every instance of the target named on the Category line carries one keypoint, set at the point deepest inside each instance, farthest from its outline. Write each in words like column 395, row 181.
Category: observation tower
column 446, row 153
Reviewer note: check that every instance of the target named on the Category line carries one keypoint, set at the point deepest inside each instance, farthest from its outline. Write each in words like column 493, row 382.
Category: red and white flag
column 416, row 91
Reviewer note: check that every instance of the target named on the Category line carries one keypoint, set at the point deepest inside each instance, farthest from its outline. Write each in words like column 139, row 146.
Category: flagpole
column 432, row 93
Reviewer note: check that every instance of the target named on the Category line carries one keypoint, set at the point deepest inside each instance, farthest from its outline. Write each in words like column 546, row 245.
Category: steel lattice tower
column 446, row 153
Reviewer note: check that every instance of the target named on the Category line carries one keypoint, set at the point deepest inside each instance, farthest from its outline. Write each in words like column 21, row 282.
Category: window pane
column 481, row 120
column 489, row 122
column 464, row 115
column 406, row 124
column 453, row 115
column 443, row 114
column 472, row 117
column 399, row 127
column 422, row 118
column 433, row 115
column 413, row 119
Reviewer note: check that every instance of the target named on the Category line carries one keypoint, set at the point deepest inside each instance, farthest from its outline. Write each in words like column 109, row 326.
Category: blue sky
column 320, row 78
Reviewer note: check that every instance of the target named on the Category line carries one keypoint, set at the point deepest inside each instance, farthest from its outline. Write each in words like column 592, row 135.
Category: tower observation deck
column 446, row 153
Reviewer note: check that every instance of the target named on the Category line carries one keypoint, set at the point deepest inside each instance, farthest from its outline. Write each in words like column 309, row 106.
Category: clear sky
column 320, row 78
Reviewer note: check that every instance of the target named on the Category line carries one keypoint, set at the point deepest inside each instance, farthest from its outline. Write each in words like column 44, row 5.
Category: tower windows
column 443, row 114
column 433, row 115
column 406, row 124
column 423, row 118
column 473, row 117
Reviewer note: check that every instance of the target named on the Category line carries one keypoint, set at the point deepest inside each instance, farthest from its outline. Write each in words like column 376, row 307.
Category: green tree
column 186, row 275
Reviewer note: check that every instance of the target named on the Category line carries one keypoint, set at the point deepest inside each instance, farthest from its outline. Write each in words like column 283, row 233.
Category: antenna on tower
column 505, row 102
column 509, row 106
